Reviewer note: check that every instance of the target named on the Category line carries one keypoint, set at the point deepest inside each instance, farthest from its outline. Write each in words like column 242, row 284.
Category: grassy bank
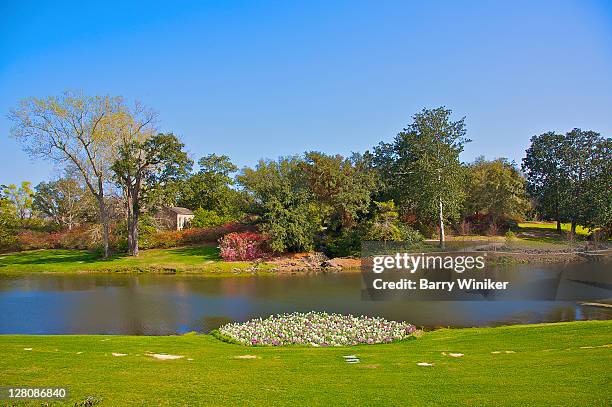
column 552, row 364
column 180, row 259
column 532, row 236
column 552, row 226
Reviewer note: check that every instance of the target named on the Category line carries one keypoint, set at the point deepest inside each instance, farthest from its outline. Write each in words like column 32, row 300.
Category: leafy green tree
column 547, row 182
column 283, row 201
column 496, row 188
column 205, row 218
column 599, row 187
column 341, row 186
column 584, row 164
column 211, row 189
column 63, row 201
column 8, row 221
column 421, row 168
column 144, row 165
column 569, row 177
column 386, row 225
column 22, row 198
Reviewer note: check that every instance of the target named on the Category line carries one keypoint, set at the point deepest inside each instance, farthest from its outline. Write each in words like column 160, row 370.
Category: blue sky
column 264, row 79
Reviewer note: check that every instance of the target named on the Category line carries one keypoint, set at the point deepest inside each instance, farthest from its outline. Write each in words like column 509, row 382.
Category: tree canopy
column 421, row 167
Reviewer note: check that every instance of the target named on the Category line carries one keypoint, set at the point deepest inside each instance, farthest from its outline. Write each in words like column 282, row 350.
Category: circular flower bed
column 317, row 329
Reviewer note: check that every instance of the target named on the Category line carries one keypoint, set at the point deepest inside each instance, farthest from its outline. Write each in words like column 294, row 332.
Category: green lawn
column 552, row 364
column 543, row 235
column 180, row 259
column 552, row 226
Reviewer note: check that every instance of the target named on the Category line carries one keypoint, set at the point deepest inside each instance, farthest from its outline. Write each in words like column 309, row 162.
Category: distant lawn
column 544, row 235
column 565, row 364
column 565, row 227
column 180, row 259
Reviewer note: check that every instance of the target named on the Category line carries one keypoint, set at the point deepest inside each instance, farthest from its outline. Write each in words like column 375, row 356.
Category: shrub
column 76, row 238
column 387, row 227
column 410, row 235
column 510, row 236
column 165, row 238
column 465, row 228
column 242, row 246
column 493, row 229
column 212, row 234
column 205, row 218
column 346, row 243
column 31, row 240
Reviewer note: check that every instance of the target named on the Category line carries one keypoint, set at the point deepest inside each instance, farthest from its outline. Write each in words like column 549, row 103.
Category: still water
column 174, row 304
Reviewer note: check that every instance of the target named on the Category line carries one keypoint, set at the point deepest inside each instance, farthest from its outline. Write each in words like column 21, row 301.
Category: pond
column 172, row 304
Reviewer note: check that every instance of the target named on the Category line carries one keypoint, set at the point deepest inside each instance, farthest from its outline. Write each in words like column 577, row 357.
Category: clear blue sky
column 262, row 79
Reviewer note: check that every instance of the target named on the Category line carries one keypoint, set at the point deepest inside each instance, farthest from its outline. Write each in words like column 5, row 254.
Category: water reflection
column 161, row 304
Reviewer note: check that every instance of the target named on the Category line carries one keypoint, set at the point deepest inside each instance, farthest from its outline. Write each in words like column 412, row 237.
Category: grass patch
column 552, row 364
column 179, row 259
column 552, row 226
column 544, row 235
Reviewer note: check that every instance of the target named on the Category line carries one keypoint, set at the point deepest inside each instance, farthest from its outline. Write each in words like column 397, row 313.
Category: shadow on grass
column 542, row 235
column 202, row 252
column 50, row 257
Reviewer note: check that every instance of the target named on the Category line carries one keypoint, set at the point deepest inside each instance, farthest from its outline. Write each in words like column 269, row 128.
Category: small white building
column 177, row 218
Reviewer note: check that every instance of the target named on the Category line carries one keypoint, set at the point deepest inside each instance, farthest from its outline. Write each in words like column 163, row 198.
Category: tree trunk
column 135, row 216
column 105, row 226
column 135, row 233
column 441, row 224
column 130, row 221
column 133, row 200
column 558, row 226
column 573, row 229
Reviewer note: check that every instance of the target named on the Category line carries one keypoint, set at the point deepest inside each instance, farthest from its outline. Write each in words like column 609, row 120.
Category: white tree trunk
column 441, row 223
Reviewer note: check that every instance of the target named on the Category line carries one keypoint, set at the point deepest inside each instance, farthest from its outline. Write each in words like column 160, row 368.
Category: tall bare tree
column 73, row 129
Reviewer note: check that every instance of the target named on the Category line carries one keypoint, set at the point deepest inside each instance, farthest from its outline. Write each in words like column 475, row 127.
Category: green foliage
column 64, row 202
column 22, row 199
column 145, row 165
column 421, row 168
column 510, row 235
column 211, row 188
column 289, row 215
column 8, row 223
column 570, row 177
column 204, row 218
column 496, row 188
column 345, row 243
column 387, row 227
column 341, row 186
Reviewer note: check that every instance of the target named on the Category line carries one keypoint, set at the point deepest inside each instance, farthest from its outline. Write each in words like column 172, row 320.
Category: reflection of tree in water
column 561, row 313
column 586, row 312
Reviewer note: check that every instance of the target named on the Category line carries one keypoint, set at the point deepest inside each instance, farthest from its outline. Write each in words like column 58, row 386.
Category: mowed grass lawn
column 180, row 259
column 552, row 226
column 551, row 364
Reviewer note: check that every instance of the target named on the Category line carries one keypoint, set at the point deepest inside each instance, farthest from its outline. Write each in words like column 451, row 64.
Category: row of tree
column 112, row 152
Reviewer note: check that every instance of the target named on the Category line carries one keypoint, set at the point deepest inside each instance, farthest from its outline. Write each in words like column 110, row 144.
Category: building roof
column 180, row 211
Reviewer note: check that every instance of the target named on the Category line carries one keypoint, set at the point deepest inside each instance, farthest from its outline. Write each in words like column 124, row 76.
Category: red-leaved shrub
column 242, row 246
column 31, row 240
